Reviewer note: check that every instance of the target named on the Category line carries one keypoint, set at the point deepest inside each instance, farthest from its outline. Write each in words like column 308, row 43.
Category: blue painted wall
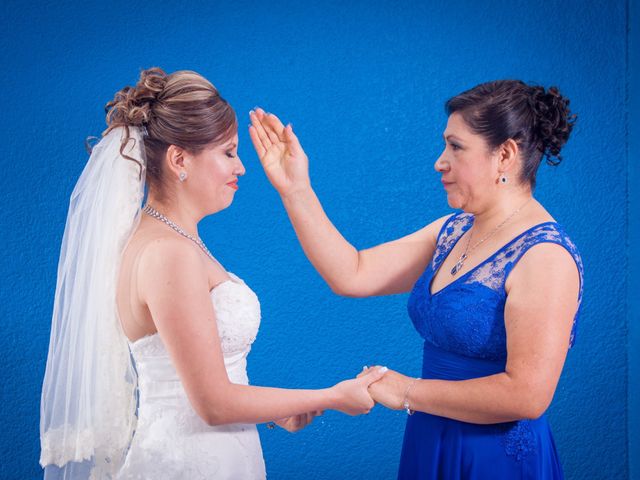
column 364, row 84
column 633, row 285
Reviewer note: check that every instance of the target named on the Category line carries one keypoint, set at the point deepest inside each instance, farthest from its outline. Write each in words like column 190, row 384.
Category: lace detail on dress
column 238, row 315
column 493, row 272
column 463, row 323
column 238, row 319
column 451, row 231
column 171, row 440
column 467, row 315
column 518, row 438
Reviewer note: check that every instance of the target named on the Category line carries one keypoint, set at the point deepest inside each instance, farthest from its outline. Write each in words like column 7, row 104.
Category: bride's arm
column 173, row 283
column 392, row 267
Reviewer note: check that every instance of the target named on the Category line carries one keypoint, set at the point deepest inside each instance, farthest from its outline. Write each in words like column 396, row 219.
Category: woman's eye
column 231, row 155
column 454, row 147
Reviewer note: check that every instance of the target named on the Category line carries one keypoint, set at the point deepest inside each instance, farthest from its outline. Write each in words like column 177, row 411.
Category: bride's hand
column 352, row 396
column 280, row 153
column 296, row 423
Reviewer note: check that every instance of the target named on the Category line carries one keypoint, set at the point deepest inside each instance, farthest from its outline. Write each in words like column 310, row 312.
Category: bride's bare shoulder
column 163, row 256
column 168, row 262
column 166, row 248
column 155, row 244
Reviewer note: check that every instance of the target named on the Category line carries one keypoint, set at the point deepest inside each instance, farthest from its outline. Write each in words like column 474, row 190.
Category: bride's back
column 134, row 315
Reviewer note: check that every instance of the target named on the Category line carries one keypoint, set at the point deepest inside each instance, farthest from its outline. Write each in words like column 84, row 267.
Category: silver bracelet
column 405, row 402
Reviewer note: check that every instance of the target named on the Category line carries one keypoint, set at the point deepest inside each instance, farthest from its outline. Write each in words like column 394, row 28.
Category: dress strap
column 548, row 232
column 451, row 231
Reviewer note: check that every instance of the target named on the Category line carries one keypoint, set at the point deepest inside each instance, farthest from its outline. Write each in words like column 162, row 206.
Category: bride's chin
column 226, row 204
column 216, row 207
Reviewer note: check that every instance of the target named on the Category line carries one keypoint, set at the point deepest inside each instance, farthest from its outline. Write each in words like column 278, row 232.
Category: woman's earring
column 503, row 179
column 183, row 176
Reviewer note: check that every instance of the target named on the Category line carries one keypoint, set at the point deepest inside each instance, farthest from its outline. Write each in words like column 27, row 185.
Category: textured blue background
column 633, row 284
column 364, row 84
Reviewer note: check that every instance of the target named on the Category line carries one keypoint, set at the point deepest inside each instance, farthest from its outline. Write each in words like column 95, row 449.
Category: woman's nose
column 240, row 170
column 441, row 164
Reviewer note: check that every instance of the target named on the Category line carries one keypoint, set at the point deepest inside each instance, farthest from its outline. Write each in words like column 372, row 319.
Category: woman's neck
column 505, row 206
column 175, row 212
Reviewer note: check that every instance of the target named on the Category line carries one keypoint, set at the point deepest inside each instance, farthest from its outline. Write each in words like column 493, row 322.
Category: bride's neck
column 174, row 211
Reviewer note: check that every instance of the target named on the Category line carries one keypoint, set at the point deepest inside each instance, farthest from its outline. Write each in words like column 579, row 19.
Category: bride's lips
column 233, row 185
column 446, row 184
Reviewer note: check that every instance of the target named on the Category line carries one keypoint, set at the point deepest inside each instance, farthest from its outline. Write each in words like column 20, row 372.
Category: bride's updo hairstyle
column 182, row 109
column 538, row 120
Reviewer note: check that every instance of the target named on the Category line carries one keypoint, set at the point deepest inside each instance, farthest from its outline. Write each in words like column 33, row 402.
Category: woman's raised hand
column 280, row 153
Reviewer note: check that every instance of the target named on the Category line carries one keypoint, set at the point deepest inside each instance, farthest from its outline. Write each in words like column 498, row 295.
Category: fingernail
column 383, row 369
column 251, row 112
column 365, row 367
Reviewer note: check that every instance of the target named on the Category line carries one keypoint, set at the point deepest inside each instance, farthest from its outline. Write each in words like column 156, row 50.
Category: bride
column 146, row 373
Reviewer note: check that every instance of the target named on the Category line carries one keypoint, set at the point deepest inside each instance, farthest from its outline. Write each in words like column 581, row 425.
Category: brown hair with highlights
column 182, row 109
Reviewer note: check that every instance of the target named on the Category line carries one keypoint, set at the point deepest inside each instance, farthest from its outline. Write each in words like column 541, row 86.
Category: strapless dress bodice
column 171, row 441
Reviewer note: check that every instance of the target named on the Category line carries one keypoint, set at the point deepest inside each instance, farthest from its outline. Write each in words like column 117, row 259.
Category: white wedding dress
column 171, row 441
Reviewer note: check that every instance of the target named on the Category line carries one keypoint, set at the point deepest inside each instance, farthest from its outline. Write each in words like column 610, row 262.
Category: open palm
column 280, row 153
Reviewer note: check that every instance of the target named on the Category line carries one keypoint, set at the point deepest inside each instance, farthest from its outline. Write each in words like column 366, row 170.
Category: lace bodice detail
column 171, row 440
column 237, row 315
column 467, row 316
column 463, row 323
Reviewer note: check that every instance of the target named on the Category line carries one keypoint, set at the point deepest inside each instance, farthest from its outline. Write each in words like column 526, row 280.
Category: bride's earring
column 182, row 176
column 503, row 179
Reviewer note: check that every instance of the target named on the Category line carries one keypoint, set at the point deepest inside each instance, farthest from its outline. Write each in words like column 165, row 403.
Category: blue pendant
column 458, row 266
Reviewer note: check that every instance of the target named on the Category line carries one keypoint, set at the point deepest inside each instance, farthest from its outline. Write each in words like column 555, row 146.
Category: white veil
column 87, row 414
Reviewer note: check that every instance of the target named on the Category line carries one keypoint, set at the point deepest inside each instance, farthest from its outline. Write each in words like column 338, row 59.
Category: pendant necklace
column 467, row 251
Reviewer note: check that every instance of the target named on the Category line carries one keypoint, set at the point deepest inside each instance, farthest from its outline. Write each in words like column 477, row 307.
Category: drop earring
column 182, row 176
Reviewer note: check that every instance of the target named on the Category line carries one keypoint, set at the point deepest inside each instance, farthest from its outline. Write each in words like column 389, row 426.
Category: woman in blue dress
column 495, row 288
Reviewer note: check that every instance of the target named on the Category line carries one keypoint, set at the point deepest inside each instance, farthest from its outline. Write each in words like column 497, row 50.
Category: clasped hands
column 389, row 391
column 286, row 166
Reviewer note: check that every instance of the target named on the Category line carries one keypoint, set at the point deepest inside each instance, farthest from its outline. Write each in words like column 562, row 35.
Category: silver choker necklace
column 152, row 212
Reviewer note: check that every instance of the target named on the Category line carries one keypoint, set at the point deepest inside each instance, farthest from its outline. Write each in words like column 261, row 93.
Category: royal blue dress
column 464, row 337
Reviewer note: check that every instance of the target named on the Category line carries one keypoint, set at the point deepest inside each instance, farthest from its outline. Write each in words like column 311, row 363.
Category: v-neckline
column 490, row 257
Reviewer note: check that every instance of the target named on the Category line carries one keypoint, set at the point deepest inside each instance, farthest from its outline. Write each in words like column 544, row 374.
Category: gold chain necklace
column 467, row 251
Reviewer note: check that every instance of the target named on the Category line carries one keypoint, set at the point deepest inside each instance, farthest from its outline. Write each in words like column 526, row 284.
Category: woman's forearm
column 335, row 259
column 251, row 404
column 493, row 399
column 232, row 403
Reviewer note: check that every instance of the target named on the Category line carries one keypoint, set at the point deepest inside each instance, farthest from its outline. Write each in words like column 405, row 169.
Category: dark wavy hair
column 537, row 119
